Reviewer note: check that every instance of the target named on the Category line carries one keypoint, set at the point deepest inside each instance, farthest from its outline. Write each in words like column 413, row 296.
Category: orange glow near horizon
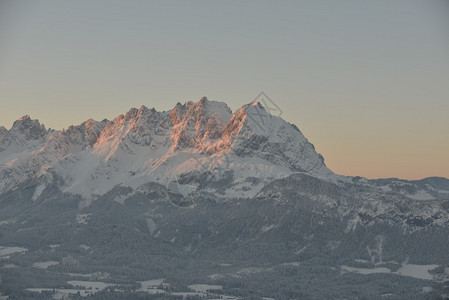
column 382, row 158
column 366, row 83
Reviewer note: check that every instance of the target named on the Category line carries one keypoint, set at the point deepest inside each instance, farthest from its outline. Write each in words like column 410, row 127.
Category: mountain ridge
column 161, row 147
column 152, row 146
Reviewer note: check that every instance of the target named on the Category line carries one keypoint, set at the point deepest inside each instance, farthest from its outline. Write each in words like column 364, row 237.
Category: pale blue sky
column 366, row 81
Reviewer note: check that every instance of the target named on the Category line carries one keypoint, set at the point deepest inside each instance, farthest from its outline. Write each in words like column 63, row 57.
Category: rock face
column 145, row 145
column 25, row 129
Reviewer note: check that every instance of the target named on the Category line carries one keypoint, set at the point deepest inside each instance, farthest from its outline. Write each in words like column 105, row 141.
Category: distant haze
column 366, row 82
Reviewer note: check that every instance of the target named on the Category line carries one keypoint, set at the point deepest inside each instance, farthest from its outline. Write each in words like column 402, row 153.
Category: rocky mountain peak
column 196, row 124
column 86, row 134
column 28, row 129
column 3, row 138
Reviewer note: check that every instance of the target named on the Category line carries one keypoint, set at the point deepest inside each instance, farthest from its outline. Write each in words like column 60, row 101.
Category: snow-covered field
column 153, row 286
column 416, row 271
column 410, row 270
column 6, row 251
column 365, row 271
column 44, row 264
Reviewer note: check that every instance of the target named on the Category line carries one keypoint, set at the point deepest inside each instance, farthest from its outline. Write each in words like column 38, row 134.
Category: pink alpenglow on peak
column 145, row 145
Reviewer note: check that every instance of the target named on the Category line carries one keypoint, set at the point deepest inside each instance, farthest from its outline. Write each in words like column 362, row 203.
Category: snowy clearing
column 416, row 271
column 364, row 271
column 6, row 251
column 153, row 286
column 410, row 270
column 44, row 264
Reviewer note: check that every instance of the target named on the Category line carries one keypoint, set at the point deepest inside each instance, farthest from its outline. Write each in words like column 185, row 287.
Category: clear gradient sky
column 366, row 81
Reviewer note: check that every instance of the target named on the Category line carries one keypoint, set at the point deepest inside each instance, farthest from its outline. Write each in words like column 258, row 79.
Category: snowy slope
column 17, row 162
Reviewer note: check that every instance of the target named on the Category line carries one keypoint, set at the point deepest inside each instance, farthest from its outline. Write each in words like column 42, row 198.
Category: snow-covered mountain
column 249, row 147
column 200, row 194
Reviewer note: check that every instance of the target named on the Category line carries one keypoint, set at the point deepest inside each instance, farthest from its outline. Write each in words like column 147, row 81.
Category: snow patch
column 38, row 191
column 364, row 271
column 5, row 252
column 410, row 270
column 352, row 224
column 420, row 195
column 266, row 228
column 44, row 264
column 154, row 286
column 8, row 221
column 292, row 264
column 416, row 271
